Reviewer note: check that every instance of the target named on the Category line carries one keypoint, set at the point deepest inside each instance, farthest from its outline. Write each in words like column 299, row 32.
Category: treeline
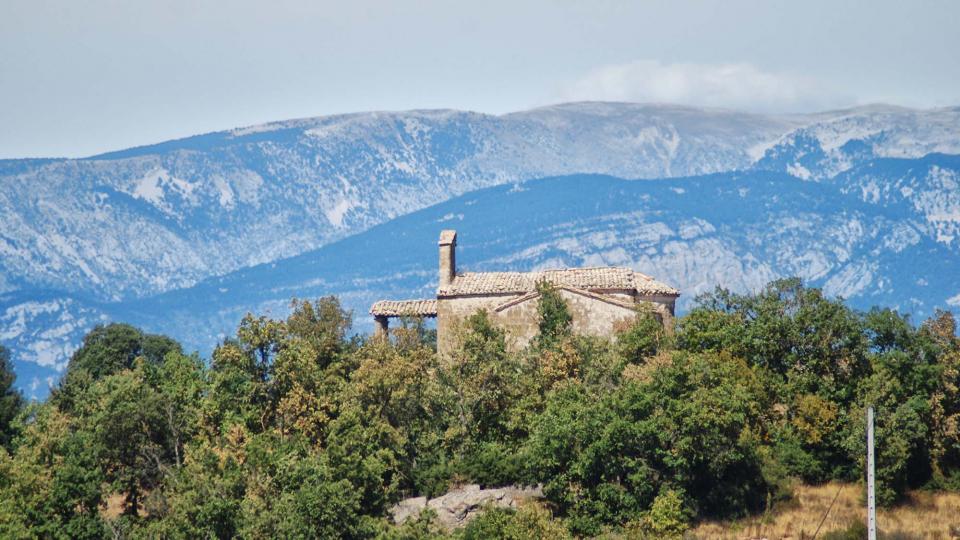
column 296, row 429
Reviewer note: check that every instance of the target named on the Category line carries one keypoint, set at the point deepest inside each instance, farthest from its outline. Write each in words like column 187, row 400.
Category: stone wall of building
column 591, row 316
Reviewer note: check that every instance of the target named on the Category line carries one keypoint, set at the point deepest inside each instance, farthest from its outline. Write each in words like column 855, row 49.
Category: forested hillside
column 297, row 429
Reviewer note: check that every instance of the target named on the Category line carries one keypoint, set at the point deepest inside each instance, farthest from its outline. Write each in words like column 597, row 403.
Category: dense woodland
column 296, row 430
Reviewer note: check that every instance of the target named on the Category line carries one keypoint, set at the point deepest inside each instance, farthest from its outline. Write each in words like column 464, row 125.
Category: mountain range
column 185, row 236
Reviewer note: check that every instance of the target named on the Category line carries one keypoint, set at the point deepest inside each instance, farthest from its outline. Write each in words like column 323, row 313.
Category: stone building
column 599, row 299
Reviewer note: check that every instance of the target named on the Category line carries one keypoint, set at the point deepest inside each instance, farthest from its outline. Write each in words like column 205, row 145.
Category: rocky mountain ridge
column 739, row 230
column 140, row 234
column 147, row 220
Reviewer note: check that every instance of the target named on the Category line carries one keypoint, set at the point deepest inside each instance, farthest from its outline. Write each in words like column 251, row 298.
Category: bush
column 530, row 522
column 642, row 339
column 492, row 523
column 555, row 318
column 604, row 459
column 492, row 464
column 669, row 515
column 856, row 530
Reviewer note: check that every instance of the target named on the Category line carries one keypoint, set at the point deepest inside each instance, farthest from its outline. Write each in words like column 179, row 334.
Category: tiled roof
column 629, row 304
column 602, row 278
column 404, row 308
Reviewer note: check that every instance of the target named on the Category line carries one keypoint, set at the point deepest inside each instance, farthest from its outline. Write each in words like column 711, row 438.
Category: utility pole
column 871, row 499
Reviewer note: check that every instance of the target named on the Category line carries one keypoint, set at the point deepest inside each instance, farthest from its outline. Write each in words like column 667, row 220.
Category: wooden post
column 871, row 499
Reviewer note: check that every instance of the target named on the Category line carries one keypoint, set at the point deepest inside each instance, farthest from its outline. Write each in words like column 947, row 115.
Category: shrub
column 555, row 318
column 856, row 530
column 669, row 515
column 642, row 339
column 530, row 522
column 603, row 460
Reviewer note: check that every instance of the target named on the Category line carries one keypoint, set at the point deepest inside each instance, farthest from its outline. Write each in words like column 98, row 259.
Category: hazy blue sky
column 79, row 77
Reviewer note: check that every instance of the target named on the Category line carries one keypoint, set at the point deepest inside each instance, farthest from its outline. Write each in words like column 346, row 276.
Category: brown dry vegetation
column 925, row 515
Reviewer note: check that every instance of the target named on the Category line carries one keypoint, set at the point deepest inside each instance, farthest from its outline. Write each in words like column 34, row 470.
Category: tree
column 10, row 398
column 107, row 350
column 124, row 413
column 289, row 491
column 669, row 515
column 400, row 387
column 260, row 337
column 481, row 376
column 529, row 522
column 693, row 425
column 555, row 320
column 304, row 391
column 812, row 351
column 237, row 392
column 642, row 339
column 51, row 487
column 323, row 324
column 203, row 497
column 180, row 383
column 941, row 331
column 296, row 430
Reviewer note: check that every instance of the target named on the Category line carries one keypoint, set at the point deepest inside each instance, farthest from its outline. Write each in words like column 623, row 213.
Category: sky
column 80, row 77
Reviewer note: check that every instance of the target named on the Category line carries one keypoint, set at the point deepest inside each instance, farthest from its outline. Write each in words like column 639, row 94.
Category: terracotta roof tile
column 601, row 278
column 404, row 308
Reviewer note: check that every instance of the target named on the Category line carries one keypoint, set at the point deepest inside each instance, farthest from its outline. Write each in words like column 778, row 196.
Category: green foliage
column 812, row 352
column 296, row 430
column 302, row 500
column 482, row 378
column 856, row 530
column 422, row 527
column 604, row 460
column 203, row 498
column 10, row 399
column 492, row 523
column 530, row 522
column 112, row 348
column 180, row 383
column 51, row 487
column 492, row 463
column 323, row 324
column 816, row 345
column 107, row 350
column 123, row 416
column 643, row 339
column 941, row 333
column 554, row 317
column 669, row 515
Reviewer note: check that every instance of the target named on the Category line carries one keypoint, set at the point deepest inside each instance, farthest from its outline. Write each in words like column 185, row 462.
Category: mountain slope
column 838, row 141
column 152, row 219
column 927, row 187
column 738, row 230
column 84, row 241
column 157, row 218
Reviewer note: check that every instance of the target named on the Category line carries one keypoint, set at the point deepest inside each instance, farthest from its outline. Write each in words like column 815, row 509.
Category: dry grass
column 113, row 506
column 924, row 516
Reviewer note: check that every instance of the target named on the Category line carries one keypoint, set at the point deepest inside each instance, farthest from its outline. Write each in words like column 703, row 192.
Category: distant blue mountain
column 738, row 230
column 186, row 236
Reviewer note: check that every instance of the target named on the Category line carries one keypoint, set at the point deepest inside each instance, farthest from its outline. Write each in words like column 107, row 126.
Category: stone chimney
column 448, row 257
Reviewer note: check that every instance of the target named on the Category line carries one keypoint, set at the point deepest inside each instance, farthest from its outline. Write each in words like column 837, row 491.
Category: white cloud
column 736, row 86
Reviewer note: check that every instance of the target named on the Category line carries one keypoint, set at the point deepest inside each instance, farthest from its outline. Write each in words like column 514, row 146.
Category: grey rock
column 407, row 508
column 457, row 507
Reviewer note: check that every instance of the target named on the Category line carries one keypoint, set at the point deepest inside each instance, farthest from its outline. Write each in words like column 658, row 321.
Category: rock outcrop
column 459, row 506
